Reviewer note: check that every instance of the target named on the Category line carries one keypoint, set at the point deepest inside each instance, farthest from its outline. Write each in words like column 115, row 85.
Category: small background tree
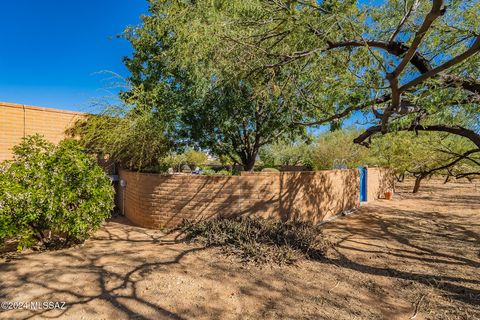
column 338, row 145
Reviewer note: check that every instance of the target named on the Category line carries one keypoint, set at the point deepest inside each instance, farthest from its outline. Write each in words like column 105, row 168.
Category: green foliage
column 408, row 152
column 224, row 173
column 172, row 160
column 50, row 189
column 301, row 61
column 235, row 120
column 134, row 139
column 176, row 161
column 270, row 170
column 338, row 146
column 213, row 102
column 195, row 158
column 259, row 240
column 287, row 154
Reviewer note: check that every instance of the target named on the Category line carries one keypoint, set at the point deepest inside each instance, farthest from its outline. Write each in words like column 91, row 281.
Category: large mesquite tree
column 211, row 99
column 407, row 64
column 411, row 65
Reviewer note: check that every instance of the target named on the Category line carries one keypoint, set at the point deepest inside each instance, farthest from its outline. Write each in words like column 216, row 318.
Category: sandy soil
column 391, row 258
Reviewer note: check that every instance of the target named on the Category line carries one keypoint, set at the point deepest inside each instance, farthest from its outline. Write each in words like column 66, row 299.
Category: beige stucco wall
column 379, row 180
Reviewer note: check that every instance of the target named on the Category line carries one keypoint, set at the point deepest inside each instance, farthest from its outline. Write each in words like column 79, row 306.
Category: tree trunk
column 249, row 163
column 418, row 179
column 447, row 179
column 401, row 177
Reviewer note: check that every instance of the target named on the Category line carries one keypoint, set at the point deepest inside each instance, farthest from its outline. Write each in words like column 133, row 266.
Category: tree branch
column 396, row 48
column 450, row 164
column 475, row 48
column 404, row 19
column 436, row 11
column 457, row 130
column 347, row 111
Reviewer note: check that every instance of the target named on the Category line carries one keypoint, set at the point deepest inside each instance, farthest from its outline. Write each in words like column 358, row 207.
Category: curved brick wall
column 163, row 201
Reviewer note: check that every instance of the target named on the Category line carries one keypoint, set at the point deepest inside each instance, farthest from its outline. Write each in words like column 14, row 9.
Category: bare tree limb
column 452, row 163
column 467, row 174
column 347, row 111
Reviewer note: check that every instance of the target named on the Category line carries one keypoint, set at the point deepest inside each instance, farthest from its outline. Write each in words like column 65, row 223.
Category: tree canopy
column 232, row 76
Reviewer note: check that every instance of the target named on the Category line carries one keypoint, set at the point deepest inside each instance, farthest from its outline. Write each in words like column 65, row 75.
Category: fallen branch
column 417, row 306
column 329, row 291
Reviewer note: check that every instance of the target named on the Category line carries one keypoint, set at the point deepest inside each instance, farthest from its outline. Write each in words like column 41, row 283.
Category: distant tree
column 236, row 120
column 213, row 103
column 286, row 153
column 426, row 154
column 195, row 158
column 338, row 145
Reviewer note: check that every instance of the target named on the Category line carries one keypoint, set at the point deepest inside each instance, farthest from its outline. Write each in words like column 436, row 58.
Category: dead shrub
column 259, row 240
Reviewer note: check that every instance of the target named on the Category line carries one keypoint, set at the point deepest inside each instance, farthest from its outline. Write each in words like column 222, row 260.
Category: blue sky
column 52, row 50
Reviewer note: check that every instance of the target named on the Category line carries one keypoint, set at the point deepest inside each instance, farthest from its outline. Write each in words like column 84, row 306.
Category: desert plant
column 134, row 138
column 49, row 192
column 338, row 145
column 286, row 153
column 195, row 158
column 172, row 160
column 259, row 240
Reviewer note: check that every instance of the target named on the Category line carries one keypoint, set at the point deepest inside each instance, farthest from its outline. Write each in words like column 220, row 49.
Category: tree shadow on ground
column 440, row 249
column 125, row 272
column 104, row 284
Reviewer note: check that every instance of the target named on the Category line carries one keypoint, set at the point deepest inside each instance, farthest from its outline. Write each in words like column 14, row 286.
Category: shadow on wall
column 379, row 180
column 317, row 196
column 159, row 201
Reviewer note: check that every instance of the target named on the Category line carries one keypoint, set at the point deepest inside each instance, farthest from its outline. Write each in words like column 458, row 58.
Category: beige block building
column 18, row 121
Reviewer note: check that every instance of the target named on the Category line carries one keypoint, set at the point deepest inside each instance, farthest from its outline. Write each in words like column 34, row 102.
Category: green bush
column 172, row 160
column 259, row 240
column 52, row 192
column 133, row 138
column 195, row 158
column 206, row 171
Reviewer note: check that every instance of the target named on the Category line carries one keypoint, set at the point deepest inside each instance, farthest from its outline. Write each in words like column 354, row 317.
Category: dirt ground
column 417, row 255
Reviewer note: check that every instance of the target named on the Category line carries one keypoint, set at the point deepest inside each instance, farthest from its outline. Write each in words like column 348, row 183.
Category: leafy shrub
column 172, row 160
column 206, row 171
column 177, row 161
column 259, row 240
column 224, row 173
column 339, row 146
column 48, row 191
column 195, row 158
column 287, row 153
column 133, row 138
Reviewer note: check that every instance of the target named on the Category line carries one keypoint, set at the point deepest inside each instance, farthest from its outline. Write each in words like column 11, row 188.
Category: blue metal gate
column 363, row 183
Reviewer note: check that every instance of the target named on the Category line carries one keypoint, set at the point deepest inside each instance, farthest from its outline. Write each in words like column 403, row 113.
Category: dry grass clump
column 259, row 240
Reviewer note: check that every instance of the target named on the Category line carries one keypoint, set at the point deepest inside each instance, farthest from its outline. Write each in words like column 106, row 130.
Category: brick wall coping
column 23, row 106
